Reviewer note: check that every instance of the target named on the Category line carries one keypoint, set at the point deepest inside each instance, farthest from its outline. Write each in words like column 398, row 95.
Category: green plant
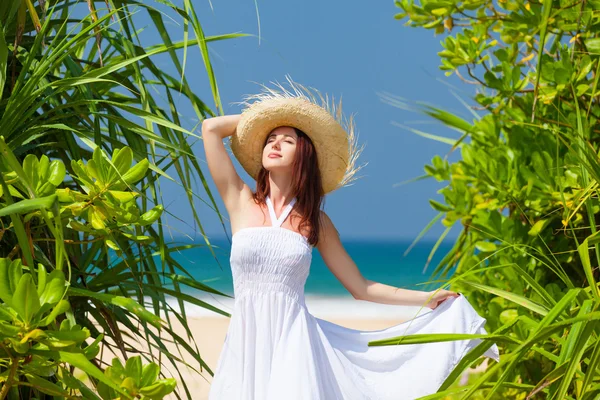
column 525, row 191
column 89, row 125
column 40, row 342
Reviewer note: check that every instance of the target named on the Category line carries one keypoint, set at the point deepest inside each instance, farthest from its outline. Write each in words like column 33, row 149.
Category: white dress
column 275, row 349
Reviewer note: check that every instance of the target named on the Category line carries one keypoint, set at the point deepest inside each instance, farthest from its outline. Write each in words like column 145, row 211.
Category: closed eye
column 270, row 139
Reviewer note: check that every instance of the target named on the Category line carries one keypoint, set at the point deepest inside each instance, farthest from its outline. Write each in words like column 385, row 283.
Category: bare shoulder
column 324, row 219
column 329, row 232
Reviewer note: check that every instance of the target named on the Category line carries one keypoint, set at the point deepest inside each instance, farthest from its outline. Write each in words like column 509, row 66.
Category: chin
column 271, row 163
column 276, row 167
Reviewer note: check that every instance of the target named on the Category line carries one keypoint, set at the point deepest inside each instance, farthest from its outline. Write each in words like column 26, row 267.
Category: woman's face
column 280, row 150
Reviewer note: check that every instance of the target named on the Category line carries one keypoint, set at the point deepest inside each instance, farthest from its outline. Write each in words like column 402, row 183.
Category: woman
column 275, row 349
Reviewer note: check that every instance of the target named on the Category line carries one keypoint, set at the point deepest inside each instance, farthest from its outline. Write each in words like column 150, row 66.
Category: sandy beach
column 209, row 333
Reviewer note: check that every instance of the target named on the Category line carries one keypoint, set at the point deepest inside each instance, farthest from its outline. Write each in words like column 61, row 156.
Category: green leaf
column 159, row 389
column 136, row 173
column 113, row 246
column 133, row 369
column 149, row 374
column 64, row 195
column 41, row 281
column 123, row 159
column 508, row 316
column 77, row 226
column 92, row 170
column 421, row 338
column 75, row 336
column 31, row 169
column 25, row 300
column 78, row 360
column 96, row 218
column 46, row 189
column 584, row 255
column 56, row 172
column 46, row 386
column 93, row 349
column 6, row 292
column 3, row 62
column 25, row 206
column 6, row 313
column 515, row 298
column 100, row 164
column 60, row 308
column 35, row 334
column 151, row 216
column 43, row 168
column 74, row 383
column 140, row 238
column 123, row 196
column 485, row 247
column 439, row 206
column 15, row 272
column 593, row 45
column 9, row 330
column 538, row 227
column 124, row 302
column 82, row 174
column 55, row 288
column 128, row 384
column 575, row 346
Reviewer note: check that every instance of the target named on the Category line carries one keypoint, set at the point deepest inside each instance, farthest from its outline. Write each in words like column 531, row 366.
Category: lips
column 274, row 155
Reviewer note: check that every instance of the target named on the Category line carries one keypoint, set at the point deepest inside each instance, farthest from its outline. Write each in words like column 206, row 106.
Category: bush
column 525, row 191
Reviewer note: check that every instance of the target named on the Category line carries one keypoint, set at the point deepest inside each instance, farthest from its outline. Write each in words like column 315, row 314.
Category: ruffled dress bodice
column 270, row 259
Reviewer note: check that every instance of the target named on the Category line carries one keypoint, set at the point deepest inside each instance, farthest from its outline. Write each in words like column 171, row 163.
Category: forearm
column 380, row 293
column 223, row 126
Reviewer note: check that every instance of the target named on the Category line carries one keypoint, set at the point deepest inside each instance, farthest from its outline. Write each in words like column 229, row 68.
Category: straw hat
column 334, row 139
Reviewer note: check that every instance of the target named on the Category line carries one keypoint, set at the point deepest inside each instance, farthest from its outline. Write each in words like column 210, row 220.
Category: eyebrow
column 285, row 134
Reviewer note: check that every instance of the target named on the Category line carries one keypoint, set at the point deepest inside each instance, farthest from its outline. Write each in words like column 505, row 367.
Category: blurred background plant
column 86, row 135
column 524, row 190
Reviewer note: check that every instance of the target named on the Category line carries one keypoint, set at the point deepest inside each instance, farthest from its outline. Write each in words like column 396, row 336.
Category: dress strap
column 278, row 221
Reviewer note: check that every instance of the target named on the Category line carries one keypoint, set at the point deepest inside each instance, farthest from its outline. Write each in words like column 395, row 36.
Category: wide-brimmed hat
column 334, row 138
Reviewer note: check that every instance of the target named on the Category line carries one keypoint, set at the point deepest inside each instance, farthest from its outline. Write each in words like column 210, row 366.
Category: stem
column 11, row 375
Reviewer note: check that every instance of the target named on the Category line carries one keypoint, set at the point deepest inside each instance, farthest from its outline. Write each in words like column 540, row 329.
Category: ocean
column 377, row 260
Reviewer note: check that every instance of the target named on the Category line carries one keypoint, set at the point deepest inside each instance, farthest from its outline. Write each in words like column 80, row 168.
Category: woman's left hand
column 437, row 297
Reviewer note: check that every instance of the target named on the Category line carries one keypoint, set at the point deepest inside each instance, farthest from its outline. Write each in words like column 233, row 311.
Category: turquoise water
column 377, row 260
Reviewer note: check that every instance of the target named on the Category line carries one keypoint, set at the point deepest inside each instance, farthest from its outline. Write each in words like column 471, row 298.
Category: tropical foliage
column 525, row 190
column 39, row 339
column 88, row 125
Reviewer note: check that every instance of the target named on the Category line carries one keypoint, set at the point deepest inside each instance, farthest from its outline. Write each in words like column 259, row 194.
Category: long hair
column 306, row 185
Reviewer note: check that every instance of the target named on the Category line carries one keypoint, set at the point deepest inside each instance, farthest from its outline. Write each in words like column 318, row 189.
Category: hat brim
column 328, row 136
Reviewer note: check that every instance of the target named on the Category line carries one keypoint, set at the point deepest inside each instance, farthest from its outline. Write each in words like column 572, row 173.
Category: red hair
column 306, row 185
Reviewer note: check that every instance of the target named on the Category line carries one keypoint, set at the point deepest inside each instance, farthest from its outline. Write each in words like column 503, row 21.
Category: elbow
column 359, row 294
column 206, row 126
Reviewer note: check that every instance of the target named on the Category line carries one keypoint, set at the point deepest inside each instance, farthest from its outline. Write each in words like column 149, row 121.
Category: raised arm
column 345, row 270
column 228, row 182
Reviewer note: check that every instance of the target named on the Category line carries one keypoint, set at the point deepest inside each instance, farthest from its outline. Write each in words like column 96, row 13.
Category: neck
column 280, row 188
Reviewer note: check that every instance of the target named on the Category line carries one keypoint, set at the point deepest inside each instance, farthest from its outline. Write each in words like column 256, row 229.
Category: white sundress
column 276, row 349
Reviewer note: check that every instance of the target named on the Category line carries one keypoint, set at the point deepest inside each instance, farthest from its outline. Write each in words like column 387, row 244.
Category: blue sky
column 356, row 50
